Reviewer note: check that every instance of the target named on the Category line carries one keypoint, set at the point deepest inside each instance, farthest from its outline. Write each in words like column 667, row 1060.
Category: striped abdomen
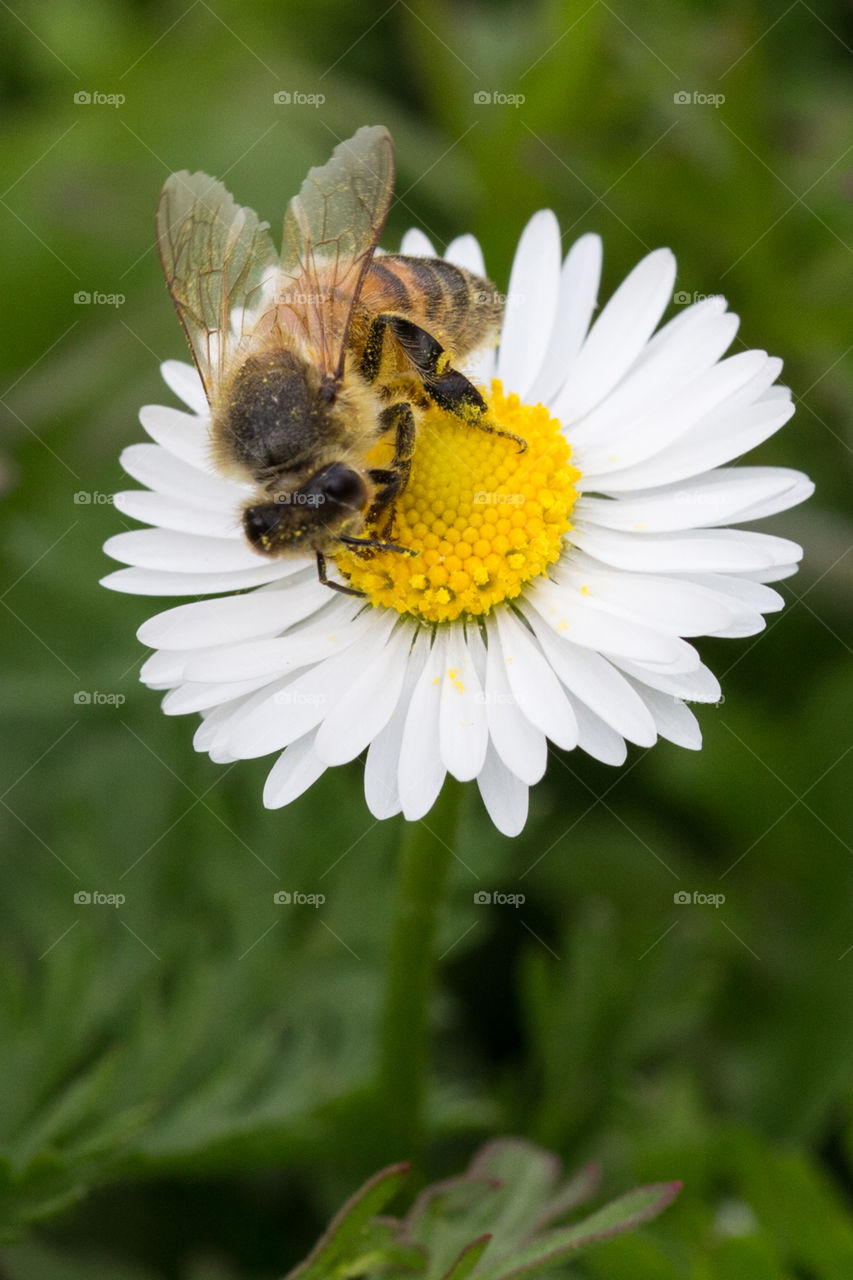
column 461, row 310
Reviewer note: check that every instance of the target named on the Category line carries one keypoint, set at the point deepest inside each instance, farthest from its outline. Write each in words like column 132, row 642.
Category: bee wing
column 331, row 230
column 214, row 256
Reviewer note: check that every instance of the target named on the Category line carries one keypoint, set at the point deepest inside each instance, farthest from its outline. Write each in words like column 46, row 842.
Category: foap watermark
column 298, row 499
column 85, row 898
column 487, row 499
column 682, row 898
column 93, row 498
column 295, row 98
column 489, row 297
column 288, row 898
column 290, row 298
column 682, row 298
column 298, row 698
column 496, row 98
column 696, row 498
column 485, row 699
column 84, row 98
column 83, row 298
column 695, row 98
column 95, row 698
column 484, row 898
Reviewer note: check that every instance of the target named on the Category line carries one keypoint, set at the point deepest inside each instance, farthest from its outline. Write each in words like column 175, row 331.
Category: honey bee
column 311, row 357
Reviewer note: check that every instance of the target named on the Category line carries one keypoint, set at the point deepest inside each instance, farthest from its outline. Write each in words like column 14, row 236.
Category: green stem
column 427, row 848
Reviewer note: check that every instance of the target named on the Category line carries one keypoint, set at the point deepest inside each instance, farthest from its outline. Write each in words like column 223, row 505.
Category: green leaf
column 623, row 1214
column 353, row 1245
column 468, row 1259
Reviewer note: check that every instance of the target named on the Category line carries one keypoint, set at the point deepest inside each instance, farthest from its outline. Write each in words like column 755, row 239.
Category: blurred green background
column 184, row 1079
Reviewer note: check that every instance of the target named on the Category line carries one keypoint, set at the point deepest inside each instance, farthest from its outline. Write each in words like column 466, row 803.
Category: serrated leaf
column 351, row 1230
column 468, row 1259
column 623, row 1214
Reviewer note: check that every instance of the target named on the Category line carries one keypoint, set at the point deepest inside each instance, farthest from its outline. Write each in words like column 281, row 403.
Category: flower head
column 553, row 591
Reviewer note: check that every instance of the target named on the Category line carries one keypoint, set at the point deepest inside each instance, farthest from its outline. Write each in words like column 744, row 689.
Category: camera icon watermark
column 689, row 98
column 83, row 98
column 295, row 98
column 484, row 699
column 297, row 499
column 683, row 298
column 682, row 898
column 286, row 898
column 83, row 898
column 485, row 498
column 83, row 298
column 297, row 698
column 92, row 498
column 484, row 898
column 94, row 697
column 496, row 98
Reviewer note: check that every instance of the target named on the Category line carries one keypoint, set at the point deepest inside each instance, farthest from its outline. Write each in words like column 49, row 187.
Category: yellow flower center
column 483, row 517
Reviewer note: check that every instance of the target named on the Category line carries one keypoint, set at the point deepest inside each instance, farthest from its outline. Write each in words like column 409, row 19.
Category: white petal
column 416, row 245
column 532, row 682
column 328, row 631
column 522, row 747
column 504, row 796
column 618, row 335
column 694, row 550
column 180, row 434
column 297, row 768
column 726, row 496
column 421, row 773
column 181, row 517
column 383, row 756
column 463, row 734
column 183, row 379
column 368, row 703
column 692, row 349
column 715, row 440
column 531, row 303
column 754, row 595
column 465, row 252
column 700, row 685
column 682, row 607
column 592, row 623
column 183, row 552
column 160, row 582
column 163, row 669
column 597, row 739
column 260, row 613
column 673, row 720
column 591, row 678
column 578, row 293
column 155, row 467
column 196, row 696
column 628, row 441
column 289, row 708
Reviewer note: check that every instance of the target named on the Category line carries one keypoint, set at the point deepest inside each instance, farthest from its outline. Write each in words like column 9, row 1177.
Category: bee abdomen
column 461, row 309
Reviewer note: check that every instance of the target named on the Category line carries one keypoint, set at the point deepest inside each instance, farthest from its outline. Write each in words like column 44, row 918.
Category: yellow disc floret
column 483, row 517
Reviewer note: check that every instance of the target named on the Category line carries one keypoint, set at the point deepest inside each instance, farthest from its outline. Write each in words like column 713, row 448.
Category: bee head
column 311, row 518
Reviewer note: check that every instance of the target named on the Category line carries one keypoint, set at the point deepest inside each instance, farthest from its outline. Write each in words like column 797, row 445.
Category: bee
column 312, row 357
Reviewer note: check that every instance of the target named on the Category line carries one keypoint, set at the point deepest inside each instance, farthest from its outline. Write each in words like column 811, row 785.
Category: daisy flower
column 555, row 591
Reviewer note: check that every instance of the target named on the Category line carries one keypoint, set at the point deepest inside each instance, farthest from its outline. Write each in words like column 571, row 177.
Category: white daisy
column 554, row 589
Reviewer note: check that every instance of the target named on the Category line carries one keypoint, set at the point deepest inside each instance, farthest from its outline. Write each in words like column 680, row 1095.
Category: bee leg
column 376, row 544
column 394, row 478
column 327, row 582
column 449, row 388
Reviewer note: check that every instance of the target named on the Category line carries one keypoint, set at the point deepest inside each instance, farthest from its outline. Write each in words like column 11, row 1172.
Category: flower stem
column 427, row 848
